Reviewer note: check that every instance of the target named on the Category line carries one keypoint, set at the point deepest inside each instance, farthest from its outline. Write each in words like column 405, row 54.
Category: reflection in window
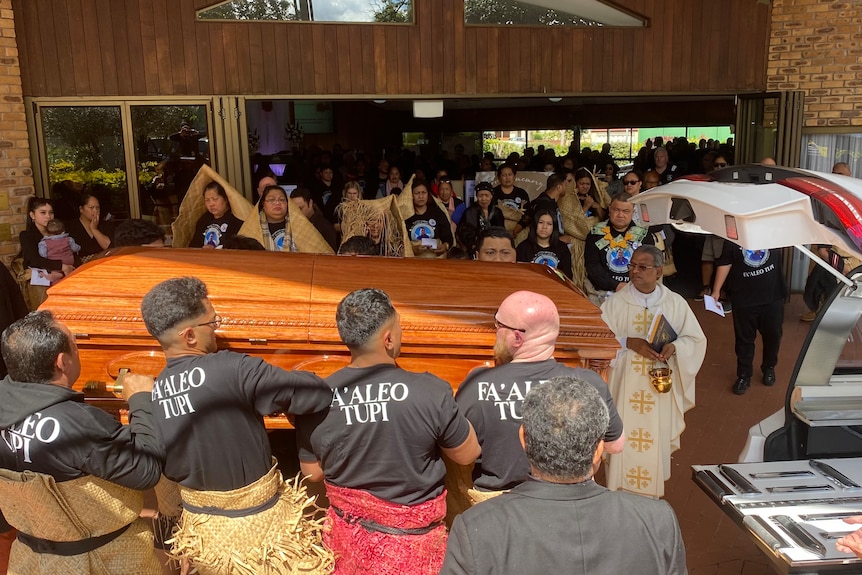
column 546, row 13
column 394, row 11
column 171, row 144
column 84, row 152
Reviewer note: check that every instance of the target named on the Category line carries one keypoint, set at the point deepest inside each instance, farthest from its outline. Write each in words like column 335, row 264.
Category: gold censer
column 660, row 378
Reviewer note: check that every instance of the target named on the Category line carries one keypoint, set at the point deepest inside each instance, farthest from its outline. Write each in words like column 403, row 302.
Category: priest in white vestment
column 653, row 421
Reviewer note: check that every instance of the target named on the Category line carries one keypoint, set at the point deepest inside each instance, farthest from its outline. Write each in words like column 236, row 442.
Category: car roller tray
column 793, row 510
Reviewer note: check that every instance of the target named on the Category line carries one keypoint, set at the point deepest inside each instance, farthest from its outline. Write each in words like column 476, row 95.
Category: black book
column 661, row 332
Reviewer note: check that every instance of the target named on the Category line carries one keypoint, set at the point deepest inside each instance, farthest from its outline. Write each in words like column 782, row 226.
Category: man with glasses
column 653, row 434
column 527, row 326
column 559, row 520
column 208, row 409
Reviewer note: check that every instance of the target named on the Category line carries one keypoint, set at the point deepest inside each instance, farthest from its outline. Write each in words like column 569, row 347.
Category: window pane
column 84, row 150
column 503, row 142
column 394, row 11
column 665, row 134
column 545, row 13
column 171, row 144
column 822, row 151
column 557, row 140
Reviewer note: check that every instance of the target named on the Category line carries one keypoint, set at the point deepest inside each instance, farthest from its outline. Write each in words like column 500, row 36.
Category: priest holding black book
column 655, row 328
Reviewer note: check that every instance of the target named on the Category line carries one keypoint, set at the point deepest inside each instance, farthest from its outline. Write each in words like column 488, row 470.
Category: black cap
column 484, row 186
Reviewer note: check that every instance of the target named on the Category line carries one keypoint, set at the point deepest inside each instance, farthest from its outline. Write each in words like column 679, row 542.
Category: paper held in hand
column 39, row 277
column 660, row 332
column 713, row 305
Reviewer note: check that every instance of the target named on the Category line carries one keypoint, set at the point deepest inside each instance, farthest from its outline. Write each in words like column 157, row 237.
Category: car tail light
column 644, row 212
column 846, row 206
column 730, row 228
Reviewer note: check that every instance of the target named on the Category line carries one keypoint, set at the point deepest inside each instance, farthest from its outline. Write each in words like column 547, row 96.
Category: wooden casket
column 281, row 307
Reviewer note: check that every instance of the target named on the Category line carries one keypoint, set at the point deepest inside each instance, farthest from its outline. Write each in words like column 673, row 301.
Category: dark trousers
column 820, row 285
column 747, row 321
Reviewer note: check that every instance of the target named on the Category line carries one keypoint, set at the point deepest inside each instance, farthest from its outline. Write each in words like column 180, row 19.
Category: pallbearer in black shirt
column 208, row 413
column 559, row 520
column 527, row 324
column 58, row 449
column 379, row 448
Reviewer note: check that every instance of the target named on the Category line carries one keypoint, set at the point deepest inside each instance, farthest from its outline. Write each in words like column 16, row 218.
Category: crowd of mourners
column 534, row 430
column 328, row 192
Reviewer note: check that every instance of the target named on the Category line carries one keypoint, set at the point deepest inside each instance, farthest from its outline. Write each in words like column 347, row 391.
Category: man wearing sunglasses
column 527, row 328
column 208, row 409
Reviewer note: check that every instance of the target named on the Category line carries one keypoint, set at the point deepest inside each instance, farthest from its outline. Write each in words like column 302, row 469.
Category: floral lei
column 633, row 236
column 613, row 242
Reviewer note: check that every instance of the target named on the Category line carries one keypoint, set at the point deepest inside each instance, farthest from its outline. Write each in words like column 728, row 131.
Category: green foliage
column 146, row 172
column 400, row 11
column 501, row 148
column 620, row 151
column 63, row 170
column 88, row 136
column 257, row 10
column 511, row 12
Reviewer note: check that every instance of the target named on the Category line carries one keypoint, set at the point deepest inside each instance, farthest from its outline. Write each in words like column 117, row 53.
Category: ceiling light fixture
column 555, row 99
column 379, row 101
column 428, row 108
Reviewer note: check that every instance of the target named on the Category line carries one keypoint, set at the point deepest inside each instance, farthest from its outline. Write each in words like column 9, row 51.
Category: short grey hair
column 31, row 345
column 657, row 256
column 172, row 302
column 564, row 420
column 361, row 314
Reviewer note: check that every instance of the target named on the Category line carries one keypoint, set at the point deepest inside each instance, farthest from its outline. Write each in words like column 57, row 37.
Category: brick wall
column 816, row 46
column 16, row 174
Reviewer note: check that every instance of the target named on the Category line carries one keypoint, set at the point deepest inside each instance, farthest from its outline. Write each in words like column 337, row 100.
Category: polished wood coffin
column 281, row 307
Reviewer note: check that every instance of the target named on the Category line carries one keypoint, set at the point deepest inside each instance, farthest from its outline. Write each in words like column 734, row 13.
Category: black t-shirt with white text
column 383, row 433
column 208, row 413
column 492, row 399
column 755, row 276
column 49, row 429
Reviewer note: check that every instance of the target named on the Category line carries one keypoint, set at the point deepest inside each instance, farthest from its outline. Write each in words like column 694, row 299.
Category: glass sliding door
column 171, row 143
column 137, row 157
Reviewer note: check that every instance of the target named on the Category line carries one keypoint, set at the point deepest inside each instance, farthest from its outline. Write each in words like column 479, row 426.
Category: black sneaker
column 769, row 376
column 741, row 385
column 703, row 292
column 725, row 305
